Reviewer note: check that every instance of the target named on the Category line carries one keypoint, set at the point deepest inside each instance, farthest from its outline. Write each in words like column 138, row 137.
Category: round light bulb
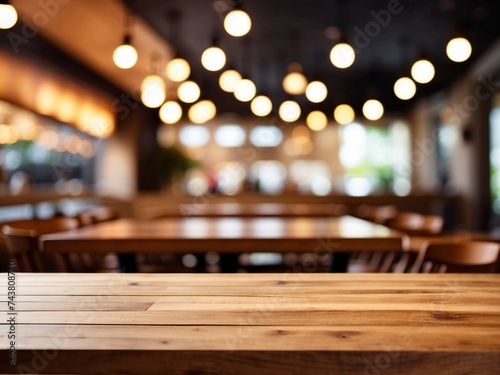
column 295, row 83
column 188, row 92
column 125, row 56
column 213, row 59
column 237, row 23
column 316, row 120
column 342, row 55
column 229, row 80
column 245, row 90
column 261, row 106
column 153, row 91
column 458, row 49
column 373, row 110
column 8, row 16
column 289, row 111
column 202, row 112
column 316, row 92
column 423, row 71
column 405, row 88
column 170, row 112
column 344, row 114
column 178, row 70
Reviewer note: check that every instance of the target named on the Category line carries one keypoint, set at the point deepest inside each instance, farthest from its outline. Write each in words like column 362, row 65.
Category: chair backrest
column 470, row 256
column 416, row 224
column 22, row 242
column 100, row 214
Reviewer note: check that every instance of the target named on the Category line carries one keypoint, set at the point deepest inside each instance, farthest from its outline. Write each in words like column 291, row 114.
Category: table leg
column 127, row 263
column 228, row 263
column 339, row 262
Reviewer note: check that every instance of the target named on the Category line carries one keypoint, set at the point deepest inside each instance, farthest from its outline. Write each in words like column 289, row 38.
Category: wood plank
column 387, row 360
column 255, row 338
column 268, row 317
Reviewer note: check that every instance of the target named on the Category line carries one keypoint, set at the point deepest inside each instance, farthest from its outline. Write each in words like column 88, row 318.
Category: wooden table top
column 416, row 242
column 242, row 210
column 300, row 234
column 294, row 323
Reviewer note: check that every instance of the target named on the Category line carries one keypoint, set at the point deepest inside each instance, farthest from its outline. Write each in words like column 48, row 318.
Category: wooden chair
column 469, row 256
column 101, row 214
column 22, row 242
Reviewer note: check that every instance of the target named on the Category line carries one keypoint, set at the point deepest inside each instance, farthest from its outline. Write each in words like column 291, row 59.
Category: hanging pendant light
column 213, row 58
column 458, row 49
column 178, row 69
column 295, row 83
column 8, row 15
column 237, row 22
column 125, row 55
column 423, row 71
column 405, row 88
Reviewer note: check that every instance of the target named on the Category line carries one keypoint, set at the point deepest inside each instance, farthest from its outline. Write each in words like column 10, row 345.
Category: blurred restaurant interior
column 251, row 187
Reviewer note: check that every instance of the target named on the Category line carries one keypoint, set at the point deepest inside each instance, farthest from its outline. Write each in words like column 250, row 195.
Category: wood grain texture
column 300, row 234
column 256, row 324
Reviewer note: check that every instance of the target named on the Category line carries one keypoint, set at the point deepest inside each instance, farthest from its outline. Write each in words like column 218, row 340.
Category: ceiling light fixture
column 289, row 111
column 229, row 79
column 344, row 114
column 153, row 91
column 170, row 112
column 316, row 92
column 237, row 22
column 8, row 15
column 188, row 92
column 178, row 69
column 125, row 55
column 373, row 110
column 423, row 71
column 316, row 120
column 213, row 58
column 202, row 111
column 245, row 90
column 342, row 55
column 405, row 88
column 295, row 83
column 458, row 49
column 261, row 106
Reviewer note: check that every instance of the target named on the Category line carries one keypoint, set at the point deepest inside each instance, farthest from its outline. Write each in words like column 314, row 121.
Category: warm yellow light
column 125, row 56
column 289, row 111
column 373, row 109
column 237, row 23
column 342, row 55
column 316, row 92
column 229, row 80
column 344, row 114
column 245, row 90
column 405, row 88
column 188, row 92
column 213, row 59
column 202, row 112
column 4, row 134
column 178, row 70
column 423, row 71
column 153, row 91
column 316, row 120
column 261, row 106
column 295, row 83
column 8, row 16
column 458, row 49
column 170, row 112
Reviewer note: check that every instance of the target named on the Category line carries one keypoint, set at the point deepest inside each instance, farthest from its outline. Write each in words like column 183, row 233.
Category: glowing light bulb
column 153, row 91
column 295, row 83
column 177, row 70
column 245, row 90
column 423, row 71
column 8, row 16
column 170, row 112
column 237, row 23
column 316, row 120
column 229, row 80
column 342, row 55
column 316, row 92
column 213, row 59
column 458, row 49
column 344, row 114
column 289, row 111
column 261, row 106
column 188, row 92
column 125, row 56
column 373, row 109
column 202, row 112
column 405, row 88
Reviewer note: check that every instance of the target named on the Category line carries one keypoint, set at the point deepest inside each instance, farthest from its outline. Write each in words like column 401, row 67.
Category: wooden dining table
column 336, row 236
column 266, row 324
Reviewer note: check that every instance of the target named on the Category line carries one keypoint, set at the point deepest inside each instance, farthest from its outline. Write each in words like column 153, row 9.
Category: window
column 230, row 136
column 269, row 176
column 311, row 177
column 194, row 136
column 495, row 159
column 266, row 136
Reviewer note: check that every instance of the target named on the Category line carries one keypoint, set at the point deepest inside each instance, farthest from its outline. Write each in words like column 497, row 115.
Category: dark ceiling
column 285, row 31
